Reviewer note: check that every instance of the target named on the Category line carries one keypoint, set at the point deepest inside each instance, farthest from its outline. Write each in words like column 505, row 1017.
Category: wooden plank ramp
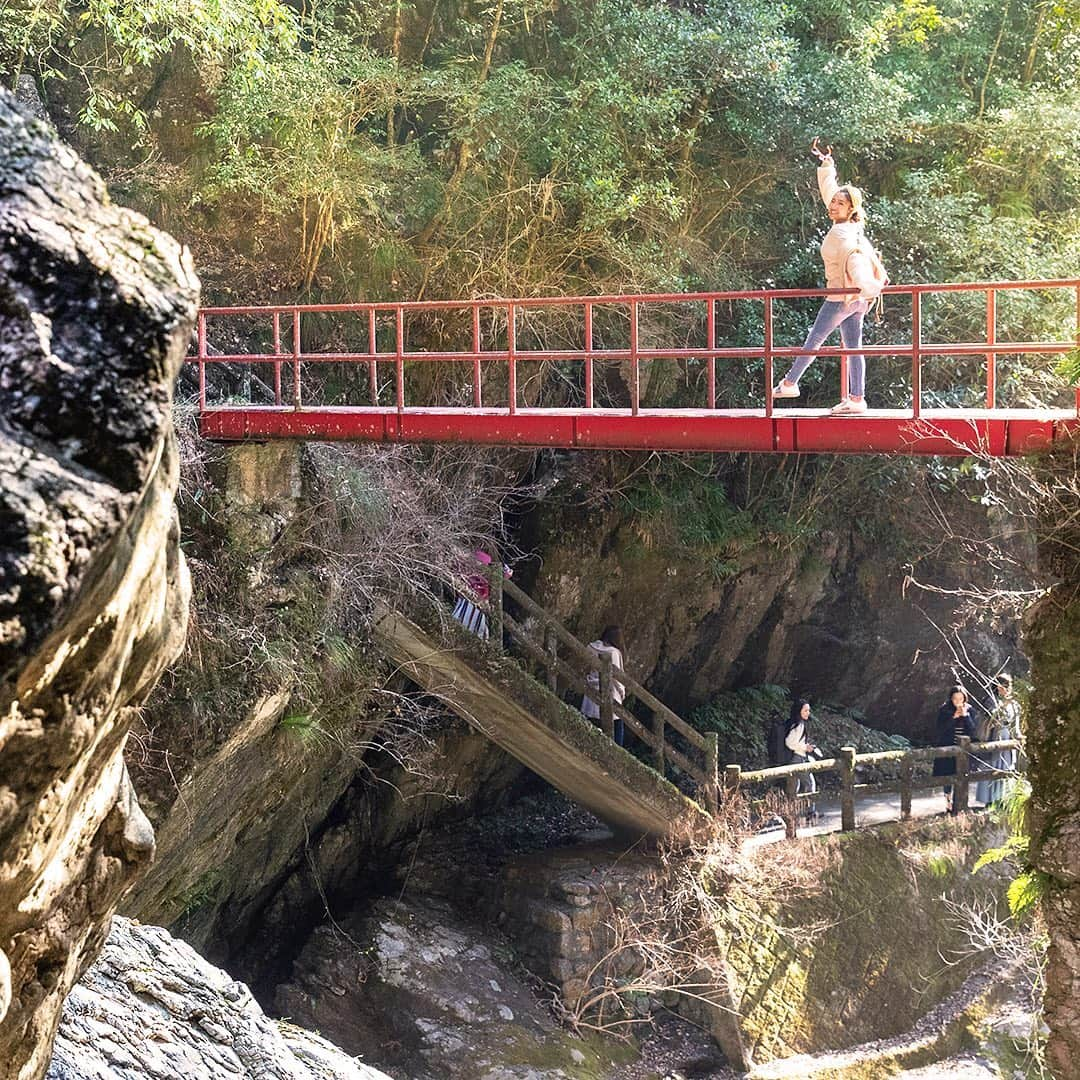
column 494, row 695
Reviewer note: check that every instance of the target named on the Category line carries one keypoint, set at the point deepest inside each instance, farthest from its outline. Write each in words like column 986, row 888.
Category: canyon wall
column 96, row 309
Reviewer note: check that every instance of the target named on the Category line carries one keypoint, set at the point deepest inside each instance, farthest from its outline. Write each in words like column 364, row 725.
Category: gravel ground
column 677, row 1050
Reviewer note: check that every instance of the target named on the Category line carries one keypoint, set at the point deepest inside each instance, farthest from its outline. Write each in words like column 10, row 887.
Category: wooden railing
column 848, row 761
column 566, row 663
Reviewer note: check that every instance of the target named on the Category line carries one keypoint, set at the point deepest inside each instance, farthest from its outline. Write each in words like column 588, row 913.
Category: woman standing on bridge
column 850, row 263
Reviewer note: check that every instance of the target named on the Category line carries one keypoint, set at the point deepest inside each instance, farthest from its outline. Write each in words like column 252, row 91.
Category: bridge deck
column 953, row 432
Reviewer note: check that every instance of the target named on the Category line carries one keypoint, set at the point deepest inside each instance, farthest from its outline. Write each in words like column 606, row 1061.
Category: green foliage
column 1069, row 367
column 114, row 46
column 379, row 149
column 1015, row 847
column 1028, row 886
column 940, row 866
column 1025, row 892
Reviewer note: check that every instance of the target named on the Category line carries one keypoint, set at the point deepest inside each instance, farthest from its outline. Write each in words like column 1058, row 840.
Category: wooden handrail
column 592, row 662
column 848, row 762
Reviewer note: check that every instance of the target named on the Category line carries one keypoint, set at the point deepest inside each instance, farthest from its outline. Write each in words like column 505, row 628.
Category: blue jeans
column 849, row 317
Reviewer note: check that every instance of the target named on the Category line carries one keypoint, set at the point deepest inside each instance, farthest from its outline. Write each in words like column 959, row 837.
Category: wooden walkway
column 529, row 719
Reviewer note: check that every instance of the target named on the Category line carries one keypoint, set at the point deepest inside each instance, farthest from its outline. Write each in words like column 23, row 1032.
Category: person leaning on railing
column 801, row 750
column 850, row 263
column 954, row 719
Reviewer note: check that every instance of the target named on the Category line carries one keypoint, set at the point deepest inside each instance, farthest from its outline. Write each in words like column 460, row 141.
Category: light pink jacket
column 846, row 264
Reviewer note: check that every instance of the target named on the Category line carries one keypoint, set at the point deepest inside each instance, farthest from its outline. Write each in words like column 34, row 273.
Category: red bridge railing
column 286, row 325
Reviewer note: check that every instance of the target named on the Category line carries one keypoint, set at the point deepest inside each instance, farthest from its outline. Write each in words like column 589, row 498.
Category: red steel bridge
column 492, row 383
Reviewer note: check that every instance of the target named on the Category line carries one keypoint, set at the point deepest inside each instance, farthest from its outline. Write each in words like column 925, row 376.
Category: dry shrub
column 373, row 522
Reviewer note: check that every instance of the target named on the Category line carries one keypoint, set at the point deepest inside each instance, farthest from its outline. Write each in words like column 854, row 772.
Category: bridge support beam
column 949, row 432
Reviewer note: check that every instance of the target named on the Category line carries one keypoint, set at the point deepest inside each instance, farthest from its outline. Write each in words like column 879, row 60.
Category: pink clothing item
column 479, row 583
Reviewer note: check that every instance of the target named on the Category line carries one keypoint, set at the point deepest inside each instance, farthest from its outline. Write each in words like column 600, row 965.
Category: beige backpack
column 881, row 275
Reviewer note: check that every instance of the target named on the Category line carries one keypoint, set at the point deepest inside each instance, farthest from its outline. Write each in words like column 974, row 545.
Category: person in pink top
column 466, row 610
column 850, row 263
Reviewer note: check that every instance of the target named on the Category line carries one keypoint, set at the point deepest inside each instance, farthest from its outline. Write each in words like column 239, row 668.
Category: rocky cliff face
column 714, row 596
column 285, row 763
column 205, row 1025
column 96, row 309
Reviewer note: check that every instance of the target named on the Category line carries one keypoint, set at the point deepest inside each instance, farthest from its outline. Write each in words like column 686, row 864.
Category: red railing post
column 277, row 363
column 202, row 362
column 916, row 354
column 297, row 402
column 635, row 374
column 477, row 389
column 373, row 348
column 991, row 357
column 768, row 354
column 399, row 357
column 1078, row 346
column 710, row 370
column 588, row 357
column 511, row 345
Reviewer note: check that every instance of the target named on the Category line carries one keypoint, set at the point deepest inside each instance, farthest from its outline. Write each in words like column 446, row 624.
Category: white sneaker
column 847, row 407
column 785, row 389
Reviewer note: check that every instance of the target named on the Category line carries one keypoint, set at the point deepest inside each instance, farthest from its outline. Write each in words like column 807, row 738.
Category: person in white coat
column 850, row 263
column 800, row 749
column 609, row 643
column 1002, row 723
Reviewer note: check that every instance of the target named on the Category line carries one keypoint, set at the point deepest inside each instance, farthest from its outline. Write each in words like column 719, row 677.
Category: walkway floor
column 869, row 810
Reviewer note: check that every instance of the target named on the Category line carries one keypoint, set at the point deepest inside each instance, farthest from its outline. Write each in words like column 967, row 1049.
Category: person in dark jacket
column 954, row 719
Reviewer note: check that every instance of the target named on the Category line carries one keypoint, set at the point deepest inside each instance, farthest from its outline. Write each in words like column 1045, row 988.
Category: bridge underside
column 954, row 432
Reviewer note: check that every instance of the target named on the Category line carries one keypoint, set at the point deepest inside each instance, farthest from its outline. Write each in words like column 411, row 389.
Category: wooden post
column 847, row 788
column 791, row 815
column 963, row 767
column 659, row 728
column 712, row 771
column 607, row 695
column 732, row 779
column 551, row 647
column 495, row 601
column 907, row 769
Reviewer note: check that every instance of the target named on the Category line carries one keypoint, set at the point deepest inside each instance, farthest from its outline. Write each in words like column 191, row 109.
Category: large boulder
column 150, row 1008
column 96, row 309
column 417, row 988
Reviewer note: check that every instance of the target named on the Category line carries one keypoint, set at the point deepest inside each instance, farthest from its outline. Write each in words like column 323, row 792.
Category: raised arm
column 826, row 179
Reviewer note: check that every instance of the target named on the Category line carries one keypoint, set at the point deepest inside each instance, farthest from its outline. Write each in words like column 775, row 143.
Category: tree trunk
column 1052, row 641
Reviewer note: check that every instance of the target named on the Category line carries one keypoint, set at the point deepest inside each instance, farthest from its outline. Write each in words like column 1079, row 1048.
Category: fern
column 1014, row 847
column 1025, row 892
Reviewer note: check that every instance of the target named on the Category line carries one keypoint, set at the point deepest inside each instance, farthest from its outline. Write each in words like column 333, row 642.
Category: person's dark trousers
column 619, row 732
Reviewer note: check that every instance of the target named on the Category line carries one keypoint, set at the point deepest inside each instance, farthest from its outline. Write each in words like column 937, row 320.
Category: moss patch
column 869, row 949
